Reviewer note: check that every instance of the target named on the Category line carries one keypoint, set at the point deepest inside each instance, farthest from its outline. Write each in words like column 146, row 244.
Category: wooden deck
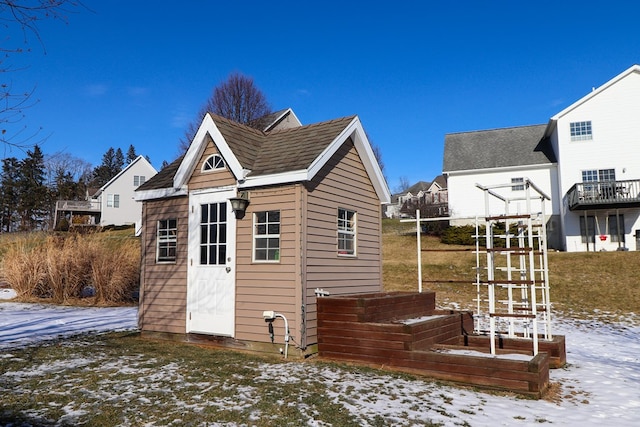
column 405, row 332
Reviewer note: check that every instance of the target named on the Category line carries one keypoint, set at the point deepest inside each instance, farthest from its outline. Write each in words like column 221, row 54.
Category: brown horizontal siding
column 219, row 178
column 264, row 286
column 342, row 183
column 163, row 296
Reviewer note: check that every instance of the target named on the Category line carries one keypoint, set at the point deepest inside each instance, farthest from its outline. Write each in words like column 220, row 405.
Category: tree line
column 30, row 187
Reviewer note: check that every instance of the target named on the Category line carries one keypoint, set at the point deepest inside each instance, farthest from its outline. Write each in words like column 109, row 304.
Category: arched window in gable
column 213, row 162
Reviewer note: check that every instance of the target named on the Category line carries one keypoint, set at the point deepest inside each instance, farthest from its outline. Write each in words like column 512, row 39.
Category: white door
column 211, row 268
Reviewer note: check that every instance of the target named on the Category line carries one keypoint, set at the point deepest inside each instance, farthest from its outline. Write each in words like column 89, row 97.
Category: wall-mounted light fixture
column 239, row 204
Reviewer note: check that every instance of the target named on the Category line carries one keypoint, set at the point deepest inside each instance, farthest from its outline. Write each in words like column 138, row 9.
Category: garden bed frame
column 404, row 331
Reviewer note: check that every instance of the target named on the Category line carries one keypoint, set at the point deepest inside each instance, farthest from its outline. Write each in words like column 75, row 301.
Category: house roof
column 164, row 178
column 497, row 148
column 268, row 122
column 596, row 92
column 257, row 158
column 138, row 159
column 441, row 180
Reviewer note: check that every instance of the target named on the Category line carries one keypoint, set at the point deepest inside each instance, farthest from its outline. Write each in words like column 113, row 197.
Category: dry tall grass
column 63, row 267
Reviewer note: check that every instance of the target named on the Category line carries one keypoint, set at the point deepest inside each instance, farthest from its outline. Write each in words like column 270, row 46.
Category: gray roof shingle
column 516, row 146
column 278, row 151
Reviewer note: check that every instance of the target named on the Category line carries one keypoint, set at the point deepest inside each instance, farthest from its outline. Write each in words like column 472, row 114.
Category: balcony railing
column 603, row 195
column 78, row 205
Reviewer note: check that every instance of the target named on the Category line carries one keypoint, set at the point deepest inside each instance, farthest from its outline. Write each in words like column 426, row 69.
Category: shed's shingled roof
column 516, row 146
column 164, row 178
column 278, row 151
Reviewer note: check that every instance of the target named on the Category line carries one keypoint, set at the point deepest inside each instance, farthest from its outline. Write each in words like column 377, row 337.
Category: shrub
column 459, row 235
column 60, row 267
column 23, row 267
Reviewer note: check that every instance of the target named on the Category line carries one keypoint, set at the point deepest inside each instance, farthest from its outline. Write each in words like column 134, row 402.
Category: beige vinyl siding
column 264, row 286
column 343, row 183
column 163, row 286
column 209, row 179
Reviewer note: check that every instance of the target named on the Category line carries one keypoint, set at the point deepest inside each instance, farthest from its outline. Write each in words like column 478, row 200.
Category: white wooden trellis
column 512, row 286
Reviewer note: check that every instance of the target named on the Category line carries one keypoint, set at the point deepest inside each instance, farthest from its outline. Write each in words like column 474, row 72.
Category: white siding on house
column 127, row 211
column 614, row 112
column 466, row 200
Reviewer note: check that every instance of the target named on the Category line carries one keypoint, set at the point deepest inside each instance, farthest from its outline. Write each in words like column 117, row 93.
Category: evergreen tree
column 119, row 161
column 33, row 192
column 107, row 170
column 131, row 154
column 9, row 197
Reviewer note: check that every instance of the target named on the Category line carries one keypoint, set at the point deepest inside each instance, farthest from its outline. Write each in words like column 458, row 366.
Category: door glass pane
column 213, row 234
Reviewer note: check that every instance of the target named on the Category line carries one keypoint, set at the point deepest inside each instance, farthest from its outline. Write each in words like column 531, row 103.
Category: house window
column 113, row 200
column 598, row 175
column 138, row 180
column 266, row 236
column 346, row 232
column 517, row 184
column 167, row 240
column 587, row 230
column 580, row 131
column 614, row 230
column 606, row 175
column 213, row 162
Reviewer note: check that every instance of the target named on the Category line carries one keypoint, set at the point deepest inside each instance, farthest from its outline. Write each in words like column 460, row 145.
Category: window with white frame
column 606, row 175
column 517, row 184
column 138, row 180
column 346, row 232
column 113, row 200
column 266, row 236
column 213, row 162
column 616, row 229
column 581, row 131
column 166, row 240
column 588, row 229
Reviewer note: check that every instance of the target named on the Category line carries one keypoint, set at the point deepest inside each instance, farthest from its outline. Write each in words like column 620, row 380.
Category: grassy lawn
column 604, row 285
column 120, row 379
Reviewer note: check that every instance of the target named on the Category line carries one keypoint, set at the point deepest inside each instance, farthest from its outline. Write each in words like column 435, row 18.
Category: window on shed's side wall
column 346, row 232
column 166, row 240
column 266, row 236
column 212, row 163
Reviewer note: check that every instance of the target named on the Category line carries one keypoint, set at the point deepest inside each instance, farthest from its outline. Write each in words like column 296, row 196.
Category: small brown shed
column 312, row 224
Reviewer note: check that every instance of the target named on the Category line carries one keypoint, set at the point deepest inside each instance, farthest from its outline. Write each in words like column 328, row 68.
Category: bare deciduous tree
column 237, row 99
column 403, row 184
column 21, row 17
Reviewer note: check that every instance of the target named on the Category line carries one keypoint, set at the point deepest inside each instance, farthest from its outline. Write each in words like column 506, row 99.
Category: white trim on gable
column 286, row 112
column 363, row 147
column 197, row 147
column 596, row 92
column 140, row 158
column 354, row 130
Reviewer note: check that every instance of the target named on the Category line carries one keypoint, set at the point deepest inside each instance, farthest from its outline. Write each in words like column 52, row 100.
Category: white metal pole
column 419, row 245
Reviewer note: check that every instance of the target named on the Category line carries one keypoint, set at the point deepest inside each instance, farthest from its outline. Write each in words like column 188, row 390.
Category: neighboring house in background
column 113, row 203
column 430, row 197
column 586, row 157
column 312, row 226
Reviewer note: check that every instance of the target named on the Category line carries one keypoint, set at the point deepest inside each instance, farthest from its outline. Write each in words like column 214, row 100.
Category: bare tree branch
column 22, row 16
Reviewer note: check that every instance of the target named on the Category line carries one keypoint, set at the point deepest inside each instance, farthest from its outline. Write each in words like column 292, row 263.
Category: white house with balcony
column 587, row 157
column 113, row 203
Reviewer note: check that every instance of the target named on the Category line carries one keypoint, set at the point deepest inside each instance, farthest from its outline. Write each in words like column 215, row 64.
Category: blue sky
column 136, row 73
